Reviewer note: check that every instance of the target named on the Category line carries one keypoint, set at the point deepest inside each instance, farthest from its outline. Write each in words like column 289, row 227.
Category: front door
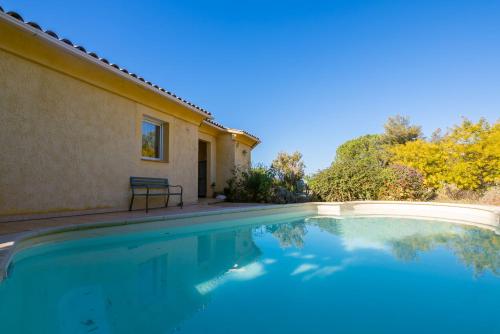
column 202, row 178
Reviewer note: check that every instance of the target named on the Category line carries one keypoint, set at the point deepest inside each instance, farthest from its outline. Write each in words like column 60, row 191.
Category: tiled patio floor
column 10, row 226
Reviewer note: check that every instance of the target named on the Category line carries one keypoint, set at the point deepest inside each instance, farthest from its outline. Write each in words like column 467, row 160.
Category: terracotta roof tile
column 51, row 33
column 251, row 135
column 225, row 128
column 35, row 25
column 16, row 16
column 215, row 123
column 67, row 41
column 94, row 55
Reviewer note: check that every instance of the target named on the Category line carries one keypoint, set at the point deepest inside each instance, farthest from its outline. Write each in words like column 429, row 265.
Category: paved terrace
column 14, row 225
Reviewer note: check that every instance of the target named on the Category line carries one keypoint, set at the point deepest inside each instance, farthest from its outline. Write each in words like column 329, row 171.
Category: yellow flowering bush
column 468, row 156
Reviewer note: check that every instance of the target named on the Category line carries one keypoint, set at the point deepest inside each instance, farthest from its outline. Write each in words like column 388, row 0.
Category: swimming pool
column 278, row 273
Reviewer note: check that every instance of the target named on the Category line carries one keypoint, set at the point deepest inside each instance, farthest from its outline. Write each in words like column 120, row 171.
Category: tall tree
column 289, row 169
column 398, row 130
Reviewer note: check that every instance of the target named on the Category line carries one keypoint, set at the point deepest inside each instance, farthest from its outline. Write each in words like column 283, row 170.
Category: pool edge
column 481, row 216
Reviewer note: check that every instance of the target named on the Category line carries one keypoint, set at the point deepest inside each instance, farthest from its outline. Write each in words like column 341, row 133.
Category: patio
column 13, row 225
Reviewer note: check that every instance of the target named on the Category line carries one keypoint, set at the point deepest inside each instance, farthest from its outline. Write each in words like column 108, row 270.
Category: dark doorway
column 202, row 168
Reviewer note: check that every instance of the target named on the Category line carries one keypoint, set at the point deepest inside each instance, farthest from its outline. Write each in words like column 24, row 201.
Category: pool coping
column 15, row 241
column 482, row 216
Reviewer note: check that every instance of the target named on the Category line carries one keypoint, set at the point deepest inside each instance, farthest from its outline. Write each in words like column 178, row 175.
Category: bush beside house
column 282, row 182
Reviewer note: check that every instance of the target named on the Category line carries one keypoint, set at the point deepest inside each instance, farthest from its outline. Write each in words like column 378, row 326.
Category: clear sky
column 301, row 75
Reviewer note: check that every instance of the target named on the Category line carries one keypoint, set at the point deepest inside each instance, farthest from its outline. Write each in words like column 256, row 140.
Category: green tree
column 368, row 148
column 398, row 130
column 289, row 169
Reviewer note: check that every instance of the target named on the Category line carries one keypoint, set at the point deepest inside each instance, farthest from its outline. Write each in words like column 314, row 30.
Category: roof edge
column 66, row 44
column 254, row 140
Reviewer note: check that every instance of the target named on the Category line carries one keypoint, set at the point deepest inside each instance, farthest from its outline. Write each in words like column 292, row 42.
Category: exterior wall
column 225, row 160
column 212, row 158
column 66, row 144
column 243, row 155
column 230, row 154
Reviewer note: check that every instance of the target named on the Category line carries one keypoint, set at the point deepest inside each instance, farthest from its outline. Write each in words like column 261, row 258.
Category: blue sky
column 302, row 75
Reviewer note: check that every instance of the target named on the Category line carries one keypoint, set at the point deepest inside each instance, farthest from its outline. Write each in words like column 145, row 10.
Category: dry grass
column 491, row 197
column 451, row 194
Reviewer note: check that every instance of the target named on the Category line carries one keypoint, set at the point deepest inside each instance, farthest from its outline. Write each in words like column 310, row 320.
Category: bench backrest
column 152, row 182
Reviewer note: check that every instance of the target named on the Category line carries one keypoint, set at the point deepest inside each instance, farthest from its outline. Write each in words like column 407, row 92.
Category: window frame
column 161, row 124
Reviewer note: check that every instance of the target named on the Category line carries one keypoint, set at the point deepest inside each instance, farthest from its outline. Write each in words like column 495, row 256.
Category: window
column 152, row 139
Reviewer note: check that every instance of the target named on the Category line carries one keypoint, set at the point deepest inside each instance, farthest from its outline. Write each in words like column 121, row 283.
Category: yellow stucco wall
column 242, row 154
column 230, row 154
column 225, row 160
column 66, row 144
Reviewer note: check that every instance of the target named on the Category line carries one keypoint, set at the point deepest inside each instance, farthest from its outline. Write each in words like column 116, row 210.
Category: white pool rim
column 483, row 216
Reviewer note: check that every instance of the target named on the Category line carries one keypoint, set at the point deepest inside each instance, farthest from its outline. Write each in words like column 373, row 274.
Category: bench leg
column 166, row 202
column 131, row 203
column 147, row 203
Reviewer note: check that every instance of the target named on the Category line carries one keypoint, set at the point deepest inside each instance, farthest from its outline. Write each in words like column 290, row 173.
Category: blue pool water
column 275, row 274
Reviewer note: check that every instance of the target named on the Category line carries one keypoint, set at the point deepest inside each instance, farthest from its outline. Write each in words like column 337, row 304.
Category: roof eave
column 73, row 50
column 244, row 137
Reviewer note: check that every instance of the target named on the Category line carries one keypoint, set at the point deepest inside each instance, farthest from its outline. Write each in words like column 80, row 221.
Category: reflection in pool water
column 406, row 238
column 303, row 275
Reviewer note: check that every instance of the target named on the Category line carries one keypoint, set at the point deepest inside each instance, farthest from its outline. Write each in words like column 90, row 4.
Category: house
column 74, row 127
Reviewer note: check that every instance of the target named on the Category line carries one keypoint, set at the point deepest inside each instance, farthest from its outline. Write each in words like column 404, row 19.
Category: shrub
column 348, row 181
column 400, row 164
column 252, row 185
column 289, row 169
column 403, row 183
column 356, row 174
column 281, row 183
column 426, row 157
column 468, row 156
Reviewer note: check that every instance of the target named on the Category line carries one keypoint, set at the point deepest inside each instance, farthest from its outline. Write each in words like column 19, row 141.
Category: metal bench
column 150, row 186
